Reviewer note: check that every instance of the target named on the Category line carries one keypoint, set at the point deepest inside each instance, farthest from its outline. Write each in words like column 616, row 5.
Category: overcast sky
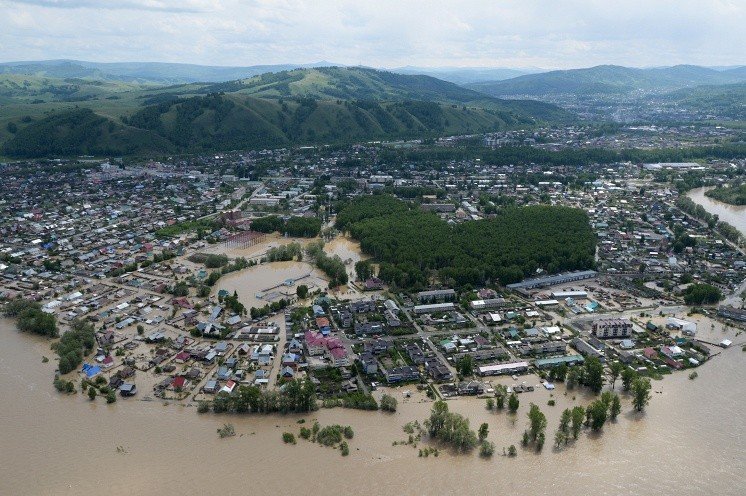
column 381, row 33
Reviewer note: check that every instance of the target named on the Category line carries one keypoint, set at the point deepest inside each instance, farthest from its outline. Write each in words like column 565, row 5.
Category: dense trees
column 363, row 270
column 694, row 209
column 505, row 249
column 285, row 253
column 331, row 266
column 75, row 344
column 537, row 426
column 735, row 195
column 702, row 294
column 450, row 428
column 31, row 318
column 297, row 396
column 593, row 377
column 299, row 227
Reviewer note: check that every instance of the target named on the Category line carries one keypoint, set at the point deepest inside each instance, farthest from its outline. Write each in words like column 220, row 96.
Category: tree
column 450, row 428
column 490, row 404
column 615, row 370
column 483, row 431
column 92, row 393
column 628, row 375
column 596, row 414
column 640, row 393
column 302, row 291
column 466, row 366
column 486, row 449
column 513, row 403
column 615, row 408
column 363, row 270
column 594, row 374
column 572, row 379
column 388, row 403
column 111, row 396
column 560, row 437
column 537, row 421
column 565, row 420
column 578, row 414
column 140, row 329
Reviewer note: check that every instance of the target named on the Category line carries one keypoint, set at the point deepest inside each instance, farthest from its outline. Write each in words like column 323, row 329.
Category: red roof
column 183, row 356
column 178, row 381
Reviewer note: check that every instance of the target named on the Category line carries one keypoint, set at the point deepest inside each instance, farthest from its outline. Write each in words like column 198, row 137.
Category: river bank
column 686, row 443
column 734, row 215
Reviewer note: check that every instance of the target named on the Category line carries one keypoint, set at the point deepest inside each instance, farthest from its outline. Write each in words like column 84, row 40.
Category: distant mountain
column 609, row 80
column 145, row 72
column 466, row 75
column 306, row 106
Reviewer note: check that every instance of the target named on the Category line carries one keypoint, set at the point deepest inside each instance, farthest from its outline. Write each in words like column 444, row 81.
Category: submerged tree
column 640, row 393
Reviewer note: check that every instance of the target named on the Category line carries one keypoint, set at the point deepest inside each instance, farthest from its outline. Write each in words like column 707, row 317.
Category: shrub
column 486, row 449
column 288, row 438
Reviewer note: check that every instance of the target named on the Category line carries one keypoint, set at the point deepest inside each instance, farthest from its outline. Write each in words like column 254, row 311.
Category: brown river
column 734, row 215
column 690, row 441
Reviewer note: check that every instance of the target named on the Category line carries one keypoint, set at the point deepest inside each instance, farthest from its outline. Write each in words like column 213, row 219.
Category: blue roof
column 91, row 370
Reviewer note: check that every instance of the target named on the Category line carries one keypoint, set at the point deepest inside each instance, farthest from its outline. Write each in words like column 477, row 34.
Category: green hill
column 608, row 79
column 81, row 132
column 326, row 105
column 728, row 100
column 236, row 121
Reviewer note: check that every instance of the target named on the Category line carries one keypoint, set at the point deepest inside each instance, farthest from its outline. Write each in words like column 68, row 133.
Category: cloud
column 146, row 5
column 381, row 33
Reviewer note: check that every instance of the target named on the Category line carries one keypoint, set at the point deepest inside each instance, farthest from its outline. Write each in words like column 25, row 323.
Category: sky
column 548, row 34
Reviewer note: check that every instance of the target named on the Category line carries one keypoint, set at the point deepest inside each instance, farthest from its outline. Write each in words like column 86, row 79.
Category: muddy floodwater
column 691, row 441
column 262, row 284
column 734, row 215
column 347, row 249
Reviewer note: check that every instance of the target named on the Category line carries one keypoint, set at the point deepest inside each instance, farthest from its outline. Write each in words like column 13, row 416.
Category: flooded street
column 689, row 442
column 734, row 215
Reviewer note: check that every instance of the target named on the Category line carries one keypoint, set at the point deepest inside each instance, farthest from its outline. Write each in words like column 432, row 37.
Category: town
column 203, row 274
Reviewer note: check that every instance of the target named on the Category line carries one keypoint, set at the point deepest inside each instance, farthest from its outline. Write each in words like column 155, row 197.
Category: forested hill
column 308, row 106
column 504, row 249
column 230, row 122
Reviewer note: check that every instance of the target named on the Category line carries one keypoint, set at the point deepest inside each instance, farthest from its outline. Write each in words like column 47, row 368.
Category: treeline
column 31, row 318
column 190, row 225
column 518, row 155
column 297, row 227
column 74, row 345
column 412, row 245
column 734, row 195
column 729, row 232
column 275, row 306
column 285, row 253
column 702, row 294
column 333, row 267
column 296, row 396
